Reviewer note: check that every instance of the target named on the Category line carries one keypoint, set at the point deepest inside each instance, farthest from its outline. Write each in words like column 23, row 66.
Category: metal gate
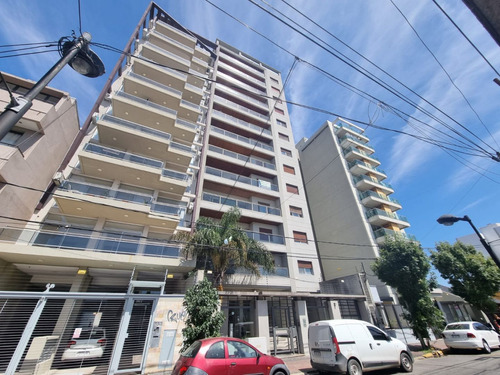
column 98, row 333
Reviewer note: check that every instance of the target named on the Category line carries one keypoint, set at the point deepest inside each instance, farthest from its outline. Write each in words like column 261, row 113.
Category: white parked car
column 470, row 335
column 353, row 346
column 90, row 343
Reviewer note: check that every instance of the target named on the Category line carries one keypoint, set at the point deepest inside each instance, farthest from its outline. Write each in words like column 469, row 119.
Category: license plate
column 454, row 335
column 82, row 353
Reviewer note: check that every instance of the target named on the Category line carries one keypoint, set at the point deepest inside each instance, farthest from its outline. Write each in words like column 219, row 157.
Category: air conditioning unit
column 190, row 207
column 58, row 178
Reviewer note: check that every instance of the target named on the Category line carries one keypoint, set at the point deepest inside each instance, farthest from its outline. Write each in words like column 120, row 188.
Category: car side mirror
column 258, row 357
column 388, row 338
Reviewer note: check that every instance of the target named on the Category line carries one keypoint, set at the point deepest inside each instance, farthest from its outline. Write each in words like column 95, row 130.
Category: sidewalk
column 299, row 364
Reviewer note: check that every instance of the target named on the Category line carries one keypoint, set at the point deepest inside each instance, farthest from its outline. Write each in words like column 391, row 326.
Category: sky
column 428, row 181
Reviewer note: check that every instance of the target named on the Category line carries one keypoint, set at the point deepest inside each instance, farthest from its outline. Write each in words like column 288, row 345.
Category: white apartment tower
column 351, row 206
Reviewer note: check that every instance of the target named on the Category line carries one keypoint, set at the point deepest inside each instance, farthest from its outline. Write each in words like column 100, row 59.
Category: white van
column 353, row 346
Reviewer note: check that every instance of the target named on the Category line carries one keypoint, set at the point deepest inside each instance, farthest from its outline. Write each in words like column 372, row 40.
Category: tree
column 204, row 316
column 471, row 276
column 404, row 266
column 224, row 244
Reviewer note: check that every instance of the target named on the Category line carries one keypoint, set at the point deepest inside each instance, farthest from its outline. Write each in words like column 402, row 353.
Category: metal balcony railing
column 241, row 108
column 241, row 95
column 242, row 122
column 242, row 139
column 241, row 157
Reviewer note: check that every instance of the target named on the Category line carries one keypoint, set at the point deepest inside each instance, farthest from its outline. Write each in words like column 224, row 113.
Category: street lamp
column 77, row 54
column 449, row 220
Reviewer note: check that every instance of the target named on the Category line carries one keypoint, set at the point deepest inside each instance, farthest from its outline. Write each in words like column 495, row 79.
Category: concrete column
column 364, row 311
column 334, row 309
column 262, row 320
column 301, row 308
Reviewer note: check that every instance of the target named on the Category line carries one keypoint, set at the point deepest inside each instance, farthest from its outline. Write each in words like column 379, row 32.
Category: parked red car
column 227, row 356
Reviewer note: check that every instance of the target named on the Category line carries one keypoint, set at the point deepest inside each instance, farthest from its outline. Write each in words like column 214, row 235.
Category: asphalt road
column 465, row 363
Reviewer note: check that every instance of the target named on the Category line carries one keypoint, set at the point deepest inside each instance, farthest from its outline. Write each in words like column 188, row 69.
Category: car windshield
column 192, row 350
column 456, row 326
column 91, row 334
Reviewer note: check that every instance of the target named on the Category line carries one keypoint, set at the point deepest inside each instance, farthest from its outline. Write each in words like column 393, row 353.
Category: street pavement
column 299, row 364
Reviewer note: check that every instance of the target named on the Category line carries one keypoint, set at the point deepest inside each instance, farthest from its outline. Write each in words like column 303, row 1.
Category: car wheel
column 486, row 347
column 354, row 368
column 406, row 363
column 279, row 372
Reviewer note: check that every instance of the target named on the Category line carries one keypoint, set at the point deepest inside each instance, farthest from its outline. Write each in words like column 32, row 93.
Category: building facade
column 185, row 128
column 351, row 206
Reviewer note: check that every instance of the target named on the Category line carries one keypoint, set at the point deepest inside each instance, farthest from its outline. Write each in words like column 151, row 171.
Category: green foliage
column 204, row 316
column 471, row 276
column 404, row 266
column 227, row 245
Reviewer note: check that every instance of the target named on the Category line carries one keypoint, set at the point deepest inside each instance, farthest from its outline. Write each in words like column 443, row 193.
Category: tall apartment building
column 184, row 128
column 351, row 206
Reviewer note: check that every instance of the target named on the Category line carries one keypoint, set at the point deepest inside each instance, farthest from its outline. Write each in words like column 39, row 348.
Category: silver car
column 470, row 335
column 89, row 343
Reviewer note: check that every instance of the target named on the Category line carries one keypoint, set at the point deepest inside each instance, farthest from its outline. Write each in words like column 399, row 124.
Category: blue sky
column 427, row 181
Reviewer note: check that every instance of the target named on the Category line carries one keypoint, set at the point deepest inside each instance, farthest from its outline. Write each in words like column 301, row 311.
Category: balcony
column 382, row 233
column 244, row 76
column 235, row 82
column 353, row 153
column 234, row 120
column 241, row 179
column 380, row 218
column 364, row 182
column 175, row 34
column 228, row 56
column 351, row 141
column 264, row 237
column 69, row 238
column 144, row 112
column 232, row 105
column 371, row 199
column 164, row 57
column 192, row 93
column 151, row 91
column 358, row 167
column 343, row 129
column 74, row 198
column 171, row 45
column 243, row 205
column 244, row 158
column 123, row 134
column 247, row 98
column 157, row 73
column 99, row 161
column 240, row 138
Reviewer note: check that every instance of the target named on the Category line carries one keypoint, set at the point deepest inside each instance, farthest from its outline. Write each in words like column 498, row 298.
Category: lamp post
column 449, row 220
column 78, row 55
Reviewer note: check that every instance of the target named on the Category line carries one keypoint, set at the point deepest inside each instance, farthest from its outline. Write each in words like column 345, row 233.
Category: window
column 283, row 136
column 288, row 169
column 274, row 80
column 238, row 349
column 300, row 237
column 281, row 123
column 276, row 90
column 292, row 189
column 216, row 350
column 286, row 152
column 296, row 211
column 11, row 138
column 265, row 234
column 279, row 111
column 377, row 334
column 305, row 268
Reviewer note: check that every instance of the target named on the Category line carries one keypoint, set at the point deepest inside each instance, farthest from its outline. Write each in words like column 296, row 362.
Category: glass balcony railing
column 155, row 83
column 354, row 149
column 241, row 108
column 241, row 157
column 366, row 165
column 242, row 139
column 240, row 204
column 193, row 88
column 240, row 84
column 136, row 159
column 123, row 195
column 239, row 178
column 241, row 74
column 146, row 103
column 136, row 127
column 186, row 123
column 392, row 215
column 182, row 147
column 382, row 232
column 356, row 179
column 194, row 107
column 70, row 238
column 229, row 57
column 264, row 237
column 370, row 193
column 242, row 122
column 172, row 41
column 240, row 95
column 353, row 138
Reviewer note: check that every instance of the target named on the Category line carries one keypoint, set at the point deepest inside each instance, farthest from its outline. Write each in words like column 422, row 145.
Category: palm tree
column 225, row 244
